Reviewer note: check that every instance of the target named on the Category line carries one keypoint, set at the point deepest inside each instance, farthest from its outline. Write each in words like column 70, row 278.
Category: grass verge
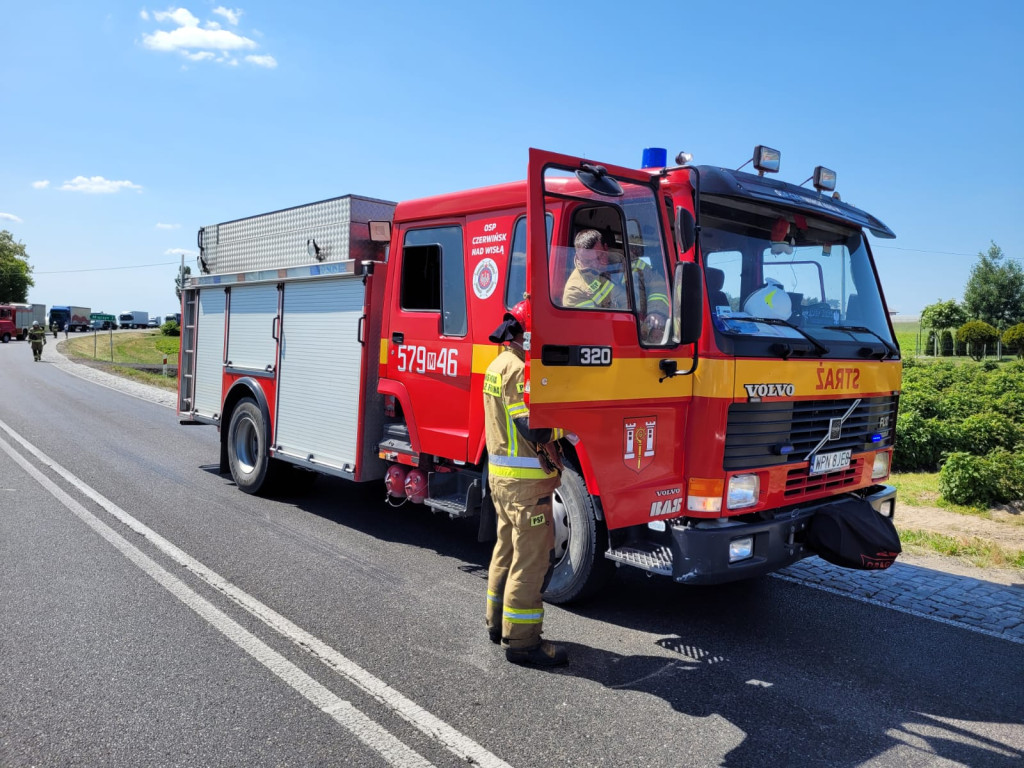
column 118, row 353
column 978, row 552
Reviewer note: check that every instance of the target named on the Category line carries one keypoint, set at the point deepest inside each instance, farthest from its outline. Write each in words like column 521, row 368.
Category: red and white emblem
column 638, row 440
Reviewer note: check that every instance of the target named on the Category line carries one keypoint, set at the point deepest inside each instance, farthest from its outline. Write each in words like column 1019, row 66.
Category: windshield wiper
column 889, row 349
column 783, row 349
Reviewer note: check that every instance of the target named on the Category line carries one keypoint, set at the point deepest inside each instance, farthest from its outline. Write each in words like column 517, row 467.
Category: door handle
column 398, row 338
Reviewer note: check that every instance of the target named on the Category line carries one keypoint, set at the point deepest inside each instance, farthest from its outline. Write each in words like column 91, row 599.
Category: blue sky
column 129, row 126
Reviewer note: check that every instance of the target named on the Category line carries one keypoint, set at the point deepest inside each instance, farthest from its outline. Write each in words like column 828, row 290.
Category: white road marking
column 452, row 739
column 363, row 728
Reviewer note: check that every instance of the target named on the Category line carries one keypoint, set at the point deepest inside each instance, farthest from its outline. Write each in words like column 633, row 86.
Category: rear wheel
column 247, row 447
column 580, row 540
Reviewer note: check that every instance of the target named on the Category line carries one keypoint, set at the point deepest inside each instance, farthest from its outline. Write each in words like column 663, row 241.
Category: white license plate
column 830, row 462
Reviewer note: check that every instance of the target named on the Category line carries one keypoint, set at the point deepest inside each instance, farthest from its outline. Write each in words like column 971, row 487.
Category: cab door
column 593, row 370
column 429, row 348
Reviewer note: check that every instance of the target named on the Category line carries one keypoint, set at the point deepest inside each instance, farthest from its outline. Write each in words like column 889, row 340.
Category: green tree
column 978, row 334
column 15, row 271
column 1013, row 338
column 179, row 281
column 940, row 317
column 995, row 289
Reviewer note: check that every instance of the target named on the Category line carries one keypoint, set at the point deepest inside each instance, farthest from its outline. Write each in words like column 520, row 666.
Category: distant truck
column 16, row 319
column 154, row 321
column 133, row 319
column 174, row 317
column 70, row 317
column 100, row 321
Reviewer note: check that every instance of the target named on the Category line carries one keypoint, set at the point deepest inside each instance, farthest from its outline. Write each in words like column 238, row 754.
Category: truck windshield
column 784, row 283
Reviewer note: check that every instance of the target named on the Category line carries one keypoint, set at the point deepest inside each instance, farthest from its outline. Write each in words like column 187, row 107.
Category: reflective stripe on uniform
column 518, row 409
column 492, row 597
column 524, row 615
column 523, row 473
column 514, row 461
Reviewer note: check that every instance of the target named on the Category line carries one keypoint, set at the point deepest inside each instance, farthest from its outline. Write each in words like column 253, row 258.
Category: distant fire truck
column 349, row 337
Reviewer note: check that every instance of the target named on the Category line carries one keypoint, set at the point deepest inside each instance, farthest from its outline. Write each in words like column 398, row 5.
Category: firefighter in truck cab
column 523, row 471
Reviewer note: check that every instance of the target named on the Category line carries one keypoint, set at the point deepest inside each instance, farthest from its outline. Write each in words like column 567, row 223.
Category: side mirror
column 688, row 303
column 686, row 230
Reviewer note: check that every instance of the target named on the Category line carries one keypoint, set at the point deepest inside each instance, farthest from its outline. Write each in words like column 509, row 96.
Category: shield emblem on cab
column 639, row 437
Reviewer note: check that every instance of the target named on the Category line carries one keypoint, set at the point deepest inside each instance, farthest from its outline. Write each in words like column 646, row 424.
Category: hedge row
column 967, row 422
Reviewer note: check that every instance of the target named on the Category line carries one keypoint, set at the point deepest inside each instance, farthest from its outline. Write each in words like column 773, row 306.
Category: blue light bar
column 875, row 438
column 654, row 157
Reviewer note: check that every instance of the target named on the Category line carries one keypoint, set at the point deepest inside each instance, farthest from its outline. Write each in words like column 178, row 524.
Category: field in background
column 135, row 355
column 907, row 335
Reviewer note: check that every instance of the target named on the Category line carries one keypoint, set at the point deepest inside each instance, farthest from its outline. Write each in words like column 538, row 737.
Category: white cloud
column 97, row 185
column 160, row 225
column 40, row 184
column 10, row 217
column 179, row 252
column 232, row 15
column 203, row 40
column 262, row 61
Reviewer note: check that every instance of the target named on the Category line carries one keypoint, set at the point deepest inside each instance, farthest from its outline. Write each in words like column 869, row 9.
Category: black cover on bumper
column 701, row 555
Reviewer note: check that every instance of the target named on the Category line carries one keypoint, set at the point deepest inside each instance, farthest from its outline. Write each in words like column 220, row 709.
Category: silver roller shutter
column 209, row 352
column 319, row 377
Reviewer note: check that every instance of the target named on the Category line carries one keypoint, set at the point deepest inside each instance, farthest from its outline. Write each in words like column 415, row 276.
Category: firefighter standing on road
column 590, row 285
column 53, row 327
column 523, row 471
column 37, row 338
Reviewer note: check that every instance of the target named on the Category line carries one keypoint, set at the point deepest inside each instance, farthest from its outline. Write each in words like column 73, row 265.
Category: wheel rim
column 563, row 526
column 246, row 442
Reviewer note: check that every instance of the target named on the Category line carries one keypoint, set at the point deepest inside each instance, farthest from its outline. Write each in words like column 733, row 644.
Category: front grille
column 799, row 483
column 757, row 432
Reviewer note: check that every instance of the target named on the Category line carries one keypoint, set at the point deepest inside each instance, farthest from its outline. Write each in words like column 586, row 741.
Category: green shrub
column 997, row 478
column 170, row 328
column 1013, row 339
column 982, row 433
column 978, row 334
column 967, row 479
column 921, row 442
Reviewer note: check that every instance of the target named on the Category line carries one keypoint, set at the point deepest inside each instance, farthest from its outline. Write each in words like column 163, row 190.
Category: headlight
column 741, row 549
column 880, row 468
column 743, row 491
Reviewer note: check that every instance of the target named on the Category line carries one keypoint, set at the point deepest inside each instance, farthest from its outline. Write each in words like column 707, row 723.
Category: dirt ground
column 1005, row 529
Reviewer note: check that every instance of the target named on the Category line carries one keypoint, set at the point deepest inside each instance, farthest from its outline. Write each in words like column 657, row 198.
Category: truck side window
column 515, row 290
column 433, row 276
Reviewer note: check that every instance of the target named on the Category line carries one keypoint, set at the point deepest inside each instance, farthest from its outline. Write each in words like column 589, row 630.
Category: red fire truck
column 17, row 319
column 349, row 337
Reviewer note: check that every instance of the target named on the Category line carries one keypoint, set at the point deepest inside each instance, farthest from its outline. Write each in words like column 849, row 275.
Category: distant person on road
column 66, row 329
column 37, row 338
column 53, row 327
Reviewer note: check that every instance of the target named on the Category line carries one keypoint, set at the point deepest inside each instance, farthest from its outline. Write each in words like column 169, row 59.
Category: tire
column 247, row 447
column 5, row 338
column 581, row 568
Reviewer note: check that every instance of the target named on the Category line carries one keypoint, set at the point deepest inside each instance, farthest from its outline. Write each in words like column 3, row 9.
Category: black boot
column 543, row 655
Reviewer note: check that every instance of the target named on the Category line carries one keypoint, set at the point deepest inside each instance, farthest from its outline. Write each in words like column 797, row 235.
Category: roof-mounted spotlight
column 766, row 159
column 824, row 179
column 684, row 158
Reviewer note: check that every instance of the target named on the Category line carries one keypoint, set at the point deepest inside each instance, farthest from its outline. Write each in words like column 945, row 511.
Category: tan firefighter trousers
column 521, row 563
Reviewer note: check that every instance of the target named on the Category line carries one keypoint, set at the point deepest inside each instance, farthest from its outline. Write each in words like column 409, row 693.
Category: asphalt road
column 154, row 615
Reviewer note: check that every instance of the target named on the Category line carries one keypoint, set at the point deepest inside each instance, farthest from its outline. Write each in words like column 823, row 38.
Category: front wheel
column 5, row 338
column 247, row 447
column 580, row 567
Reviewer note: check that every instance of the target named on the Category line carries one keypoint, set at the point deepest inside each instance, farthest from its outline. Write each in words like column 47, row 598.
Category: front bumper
column 700, row 552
